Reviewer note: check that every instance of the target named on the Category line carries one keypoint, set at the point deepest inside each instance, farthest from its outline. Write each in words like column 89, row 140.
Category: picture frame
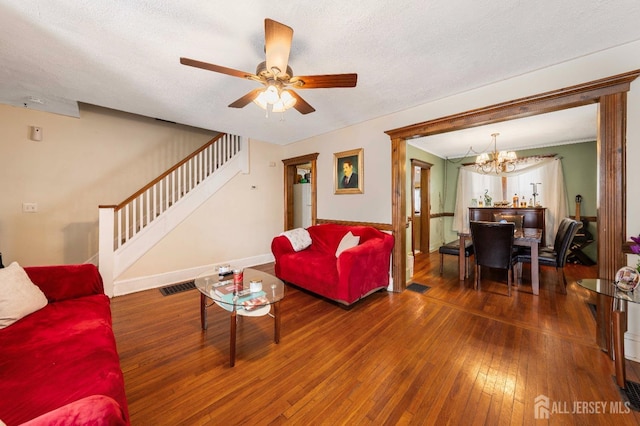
column 348, row 172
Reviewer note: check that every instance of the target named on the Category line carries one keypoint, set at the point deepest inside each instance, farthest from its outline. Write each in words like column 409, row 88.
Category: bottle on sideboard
column 515, row 200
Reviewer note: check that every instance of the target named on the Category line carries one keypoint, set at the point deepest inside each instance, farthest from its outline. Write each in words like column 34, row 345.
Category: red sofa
column 59, row 365
column 354, row 274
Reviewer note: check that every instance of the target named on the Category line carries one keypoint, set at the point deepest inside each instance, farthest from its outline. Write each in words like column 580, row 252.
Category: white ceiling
column 125, row 55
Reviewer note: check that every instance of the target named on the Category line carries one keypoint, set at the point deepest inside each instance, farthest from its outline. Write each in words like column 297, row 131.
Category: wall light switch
column 29, row 207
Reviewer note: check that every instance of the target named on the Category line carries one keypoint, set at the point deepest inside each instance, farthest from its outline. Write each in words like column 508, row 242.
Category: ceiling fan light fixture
column 278, row 107
column 288, row 100
column 279, row 102
column 275, row 75
column 261, row 100
column 271, row 94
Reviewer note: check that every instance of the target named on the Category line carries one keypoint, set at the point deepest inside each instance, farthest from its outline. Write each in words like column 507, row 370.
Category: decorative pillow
column 19, row 297
column 348, row 241
column 299, row 238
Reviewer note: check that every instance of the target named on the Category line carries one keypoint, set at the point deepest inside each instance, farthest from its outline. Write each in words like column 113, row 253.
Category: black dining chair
column 554, row 256
column 453, row 249
column 493, row 247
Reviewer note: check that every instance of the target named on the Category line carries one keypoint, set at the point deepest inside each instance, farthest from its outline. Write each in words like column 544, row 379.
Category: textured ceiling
column 125, row 55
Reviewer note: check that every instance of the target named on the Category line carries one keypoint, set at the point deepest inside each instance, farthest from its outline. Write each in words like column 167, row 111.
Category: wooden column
column 612, row 183
column 399, row 212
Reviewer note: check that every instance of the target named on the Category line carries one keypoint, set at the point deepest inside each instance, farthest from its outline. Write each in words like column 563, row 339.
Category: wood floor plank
column 449, row 356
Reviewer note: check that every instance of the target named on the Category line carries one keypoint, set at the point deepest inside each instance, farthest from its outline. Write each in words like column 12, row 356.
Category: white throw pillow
column 299, row 238
column 19, row 297
column 349, row 240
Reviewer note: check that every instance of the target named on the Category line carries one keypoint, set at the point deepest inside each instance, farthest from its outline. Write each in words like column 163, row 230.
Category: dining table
column 524, row 237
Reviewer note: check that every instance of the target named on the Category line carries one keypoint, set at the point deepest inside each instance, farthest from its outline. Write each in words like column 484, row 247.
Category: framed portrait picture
column 348, row 172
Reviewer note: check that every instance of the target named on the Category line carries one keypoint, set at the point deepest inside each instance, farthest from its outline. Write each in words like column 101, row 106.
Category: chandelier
column 496, row 162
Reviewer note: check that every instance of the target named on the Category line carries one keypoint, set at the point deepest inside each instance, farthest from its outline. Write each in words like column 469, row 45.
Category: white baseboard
column 132, row 285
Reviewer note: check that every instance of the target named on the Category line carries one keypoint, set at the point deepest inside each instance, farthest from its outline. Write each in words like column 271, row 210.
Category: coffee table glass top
column 221, row 290
column 608, row 288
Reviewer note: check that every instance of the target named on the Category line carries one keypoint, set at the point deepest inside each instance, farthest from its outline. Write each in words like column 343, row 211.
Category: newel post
column 106, row 238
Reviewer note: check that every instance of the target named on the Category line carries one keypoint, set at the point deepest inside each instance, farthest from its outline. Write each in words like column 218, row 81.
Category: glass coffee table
column 611, row 326
column 219, row 290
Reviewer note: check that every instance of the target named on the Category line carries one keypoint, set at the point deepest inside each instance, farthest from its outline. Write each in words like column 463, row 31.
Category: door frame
column 609, row 93
column 425, row 205
column 290, row 175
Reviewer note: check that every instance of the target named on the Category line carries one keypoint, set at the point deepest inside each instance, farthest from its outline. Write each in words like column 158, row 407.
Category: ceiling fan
column 277, row 76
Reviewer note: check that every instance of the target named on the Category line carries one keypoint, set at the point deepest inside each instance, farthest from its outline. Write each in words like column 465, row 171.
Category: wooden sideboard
column 533, row 217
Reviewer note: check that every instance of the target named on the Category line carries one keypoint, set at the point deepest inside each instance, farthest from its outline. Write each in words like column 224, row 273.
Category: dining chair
column 453, row 249
column 555, row 256
column 493, row 247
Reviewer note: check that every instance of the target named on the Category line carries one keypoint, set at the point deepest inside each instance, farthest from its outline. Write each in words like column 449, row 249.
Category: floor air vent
column 177, row 288
column 418, row 288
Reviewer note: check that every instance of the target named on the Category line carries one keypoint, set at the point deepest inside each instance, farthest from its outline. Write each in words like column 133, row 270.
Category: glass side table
column 612, row 324
column 272, row 292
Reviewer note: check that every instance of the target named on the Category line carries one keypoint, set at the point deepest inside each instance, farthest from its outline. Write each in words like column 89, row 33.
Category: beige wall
column 99, row 158
column 377, row 172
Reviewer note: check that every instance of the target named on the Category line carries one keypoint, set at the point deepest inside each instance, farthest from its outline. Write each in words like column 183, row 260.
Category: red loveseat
column 354, row 274
column 59, row 365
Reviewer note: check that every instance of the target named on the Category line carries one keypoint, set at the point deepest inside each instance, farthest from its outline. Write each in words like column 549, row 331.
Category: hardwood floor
column 452, row 355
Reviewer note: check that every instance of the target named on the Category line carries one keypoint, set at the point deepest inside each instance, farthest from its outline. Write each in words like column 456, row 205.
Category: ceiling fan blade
column 301, row 105
column 246, row 99
column 277, row 44
column 217, row 68
column 324, row 81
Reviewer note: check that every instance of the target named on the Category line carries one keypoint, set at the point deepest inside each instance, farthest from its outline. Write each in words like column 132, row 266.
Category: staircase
column 131, row 228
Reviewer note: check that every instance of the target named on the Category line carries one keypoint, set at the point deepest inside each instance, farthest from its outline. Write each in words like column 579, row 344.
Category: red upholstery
column 63, row 353
column 96, row 410
column 357, row 272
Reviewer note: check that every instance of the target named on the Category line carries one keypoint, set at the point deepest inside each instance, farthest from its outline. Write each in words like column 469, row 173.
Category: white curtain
column 551, row 190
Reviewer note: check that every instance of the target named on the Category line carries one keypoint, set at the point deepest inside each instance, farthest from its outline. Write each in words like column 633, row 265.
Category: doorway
column 420, row 206
column 609, row 93
column 291, row 178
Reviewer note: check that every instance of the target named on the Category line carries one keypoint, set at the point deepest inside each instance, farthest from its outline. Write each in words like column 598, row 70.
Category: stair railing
column 140, row 209
column 121, row 226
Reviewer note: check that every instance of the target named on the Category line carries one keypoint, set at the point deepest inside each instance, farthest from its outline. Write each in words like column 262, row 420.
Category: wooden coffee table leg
column 276, row 322
column 203, row 311
column 232, row 339
column 604, row 308
column 619, row 327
